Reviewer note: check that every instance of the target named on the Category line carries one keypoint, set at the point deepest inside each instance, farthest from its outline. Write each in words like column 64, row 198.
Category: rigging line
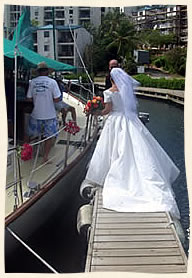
column 43, row 140
column 45, row 163
column 81, row 59
column 39, row 142
column 31, row 250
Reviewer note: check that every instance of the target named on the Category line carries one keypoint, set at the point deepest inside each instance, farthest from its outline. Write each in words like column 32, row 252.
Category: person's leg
column 47, row 148
column 73, row 113
column 50, row 129
column 64, row 114
column 32, row 129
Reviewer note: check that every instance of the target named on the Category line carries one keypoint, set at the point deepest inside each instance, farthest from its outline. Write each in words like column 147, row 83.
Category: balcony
column 65, row 37
column 48, row 17
column 66, row 61
column 14, row 8
column 60, row 8
column 59, row 14
column 47, row 8
column 66, row 51
column 84, row 8
column 84, row 14
column 65, row 54
column 60, row 22
column 48, row 21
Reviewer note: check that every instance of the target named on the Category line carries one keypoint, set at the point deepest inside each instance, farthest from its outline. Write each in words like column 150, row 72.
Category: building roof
column 59, row 27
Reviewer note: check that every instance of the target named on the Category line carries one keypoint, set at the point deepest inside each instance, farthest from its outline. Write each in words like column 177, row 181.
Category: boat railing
column 81, row 90
column 18, row 183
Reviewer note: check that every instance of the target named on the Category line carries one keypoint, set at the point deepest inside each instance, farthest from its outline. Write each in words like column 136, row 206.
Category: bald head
column 113, row 64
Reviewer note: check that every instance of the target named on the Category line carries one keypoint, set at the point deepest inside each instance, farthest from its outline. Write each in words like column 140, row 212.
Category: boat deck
column 43, row 172
column 137, row 242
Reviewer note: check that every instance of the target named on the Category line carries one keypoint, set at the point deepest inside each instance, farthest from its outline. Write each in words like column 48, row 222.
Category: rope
column 43, row 140
column 81, row 59
column 31, row 250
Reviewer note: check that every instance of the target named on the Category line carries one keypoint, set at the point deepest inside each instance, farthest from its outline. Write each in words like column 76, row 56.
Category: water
column 167, row 126
column 59, row 243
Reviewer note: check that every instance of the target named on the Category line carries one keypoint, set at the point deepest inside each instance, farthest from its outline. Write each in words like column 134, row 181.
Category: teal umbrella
column 30, row 59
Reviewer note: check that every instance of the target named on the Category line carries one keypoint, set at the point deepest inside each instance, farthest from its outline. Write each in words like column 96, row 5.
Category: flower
column 72, row 127
column 25, row 151
column 96, row 103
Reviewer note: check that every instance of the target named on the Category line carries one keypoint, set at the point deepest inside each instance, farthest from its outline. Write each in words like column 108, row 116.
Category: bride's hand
column 96, row 113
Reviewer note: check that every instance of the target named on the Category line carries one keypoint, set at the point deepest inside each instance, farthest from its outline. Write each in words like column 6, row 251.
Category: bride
column 134, row 170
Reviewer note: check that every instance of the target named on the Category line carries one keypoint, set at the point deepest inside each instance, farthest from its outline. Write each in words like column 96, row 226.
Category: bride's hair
column 112, row 79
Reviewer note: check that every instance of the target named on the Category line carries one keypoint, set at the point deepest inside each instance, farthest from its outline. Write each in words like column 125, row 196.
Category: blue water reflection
column 167, row 126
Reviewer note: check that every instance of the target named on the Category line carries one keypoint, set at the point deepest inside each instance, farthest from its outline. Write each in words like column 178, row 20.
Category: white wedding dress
column 134, row 170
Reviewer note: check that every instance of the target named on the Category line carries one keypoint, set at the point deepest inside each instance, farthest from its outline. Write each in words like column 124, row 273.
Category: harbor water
column 59, row 243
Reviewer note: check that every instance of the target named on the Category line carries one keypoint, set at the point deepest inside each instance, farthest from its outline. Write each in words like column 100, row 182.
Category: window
column 36, row 13
column 70, row 11
column 83, row 14
column 46, row 34
column 60, row 14
column 46, row 47
column 35, row 48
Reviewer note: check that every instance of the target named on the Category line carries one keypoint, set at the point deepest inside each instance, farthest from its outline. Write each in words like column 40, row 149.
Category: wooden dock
column 135, row 242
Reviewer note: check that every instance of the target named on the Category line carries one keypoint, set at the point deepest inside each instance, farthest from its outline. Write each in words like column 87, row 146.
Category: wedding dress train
column 134, row 170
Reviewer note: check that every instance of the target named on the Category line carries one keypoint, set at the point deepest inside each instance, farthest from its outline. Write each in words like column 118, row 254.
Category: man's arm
column 56, row 99
column 29, row 96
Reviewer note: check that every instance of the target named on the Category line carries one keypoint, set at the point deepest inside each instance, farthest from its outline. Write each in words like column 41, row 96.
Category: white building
column 64, row 19
column 68, row 41
column 165, row 18
column 66, row 15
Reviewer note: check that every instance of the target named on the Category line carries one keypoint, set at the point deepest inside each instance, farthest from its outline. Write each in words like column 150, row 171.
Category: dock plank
column 133, row 241
column 131, row 225
column 132, row 231
column 132, row 220
column 137, row 244
column 160, row 260
column 137, row 252
column 125, row 238
column 110, row 213
column 141, row 268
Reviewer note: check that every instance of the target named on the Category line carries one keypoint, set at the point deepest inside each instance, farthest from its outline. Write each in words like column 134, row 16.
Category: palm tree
column 124, row 39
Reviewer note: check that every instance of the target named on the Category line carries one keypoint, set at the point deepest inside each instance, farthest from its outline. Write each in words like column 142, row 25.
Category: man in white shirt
column 43, row 91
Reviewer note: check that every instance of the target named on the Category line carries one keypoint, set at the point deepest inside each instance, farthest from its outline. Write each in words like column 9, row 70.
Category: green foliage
column 159, row 62
column 154, row 38
column 34, row 22
column 173, row 61
column 147, row 81
column 176, row 60
column 129, row 65
column 114, row 39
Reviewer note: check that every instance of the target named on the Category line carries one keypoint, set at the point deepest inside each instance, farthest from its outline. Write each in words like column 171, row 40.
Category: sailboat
column 35, row 191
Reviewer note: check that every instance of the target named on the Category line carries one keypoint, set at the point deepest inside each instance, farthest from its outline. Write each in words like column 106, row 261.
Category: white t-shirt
column 43, row 90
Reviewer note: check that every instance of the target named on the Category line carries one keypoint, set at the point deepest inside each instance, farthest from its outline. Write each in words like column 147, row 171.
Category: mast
column 54, row 46
column 15, row 119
